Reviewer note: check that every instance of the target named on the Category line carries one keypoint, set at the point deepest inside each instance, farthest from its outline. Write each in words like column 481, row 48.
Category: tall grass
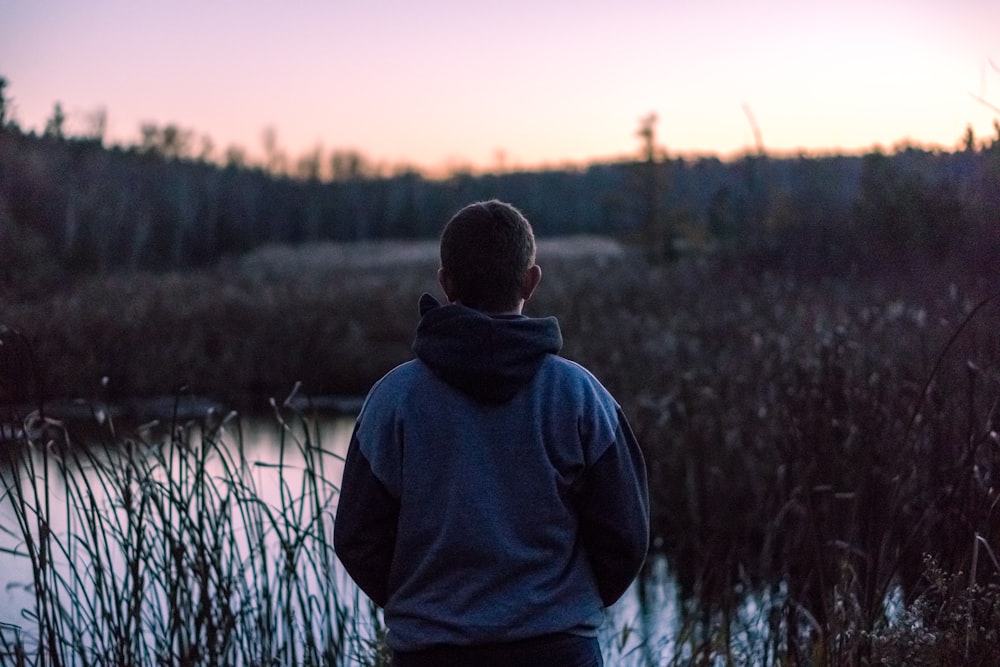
column 165, row 551
column 809, row 443
column 823, row 454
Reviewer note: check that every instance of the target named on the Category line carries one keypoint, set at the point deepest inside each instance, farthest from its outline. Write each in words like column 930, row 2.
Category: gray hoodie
column 493, row 491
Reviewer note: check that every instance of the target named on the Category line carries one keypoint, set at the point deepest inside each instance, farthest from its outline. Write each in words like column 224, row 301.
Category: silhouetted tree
column 54, row 125
column 657, row 234
column 308, row 166
column 236, row 157
column 4, row 103
column 969, row 139
column 170, row 141
column 349, row 165
column 206, row 150
column 97, row 125
column 275, row 160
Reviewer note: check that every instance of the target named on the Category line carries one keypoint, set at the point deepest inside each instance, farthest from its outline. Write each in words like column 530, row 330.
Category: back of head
column 487, row 248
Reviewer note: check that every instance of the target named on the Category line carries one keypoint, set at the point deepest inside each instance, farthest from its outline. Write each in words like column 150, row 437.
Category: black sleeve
column 613, row 504
column 364, row 531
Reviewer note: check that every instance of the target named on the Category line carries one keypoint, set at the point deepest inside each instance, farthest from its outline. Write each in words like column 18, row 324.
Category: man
column 494, row 498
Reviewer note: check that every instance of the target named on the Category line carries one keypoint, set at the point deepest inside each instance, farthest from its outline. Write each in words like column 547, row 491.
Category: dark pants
column 558, row 650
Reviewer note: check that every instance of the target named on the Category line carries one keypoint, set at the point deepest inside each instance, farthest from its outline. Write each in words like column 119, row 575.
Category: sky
column 444, row 84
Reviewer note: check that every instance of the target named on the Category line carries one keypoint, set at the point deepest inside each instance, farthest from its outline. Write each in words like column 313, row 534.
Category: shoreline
column 20, row 421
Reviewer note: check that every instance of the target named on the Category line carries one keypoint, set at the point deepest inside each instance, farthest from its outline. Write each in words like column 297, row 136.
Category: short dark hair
column 486, row 248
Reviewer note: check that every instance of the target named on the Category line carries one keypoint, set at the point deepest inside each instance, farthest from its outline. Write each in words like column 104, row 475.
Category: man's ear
column 531, row 279
column 447, row 284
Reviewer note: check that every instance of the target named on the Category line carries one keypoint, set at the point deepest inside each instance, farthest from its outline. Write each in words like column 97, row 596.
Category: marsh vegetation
column 806, row 346
column 823, row 455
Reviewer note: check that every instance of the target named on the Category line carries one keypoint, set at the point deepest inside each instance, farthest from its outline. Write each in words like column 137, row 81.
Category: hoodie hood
column 490, row 358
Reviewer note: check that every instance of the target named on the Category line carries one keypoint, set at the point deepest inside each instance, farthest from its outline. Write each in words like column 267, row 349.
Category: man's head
column 488, row 258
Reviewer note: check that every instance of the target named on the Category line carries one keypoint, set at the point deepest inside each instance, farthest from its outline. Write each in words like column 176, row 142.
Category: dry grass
column 808, row 442
column 333, row 316
column 169, row 550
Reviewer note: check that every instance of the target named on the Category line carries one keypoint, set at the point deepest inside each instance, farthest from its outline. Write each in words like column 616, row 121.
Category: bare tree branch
column 985, row 102
column 757, row 136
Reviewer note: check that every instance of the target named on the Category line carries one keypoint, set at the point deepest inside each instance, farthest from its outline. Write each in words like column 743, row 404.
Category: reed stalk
column 152, row 551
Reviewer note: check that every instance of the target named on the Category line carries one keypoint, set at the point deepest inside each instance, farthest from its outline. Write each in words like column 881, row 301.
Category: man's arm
column 364, row 531
column 614, row 514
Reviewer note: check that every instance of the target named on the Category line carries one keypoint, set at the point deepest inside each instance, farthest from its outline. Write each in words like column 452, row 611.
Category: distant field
column 334, row 316
column 281, row 261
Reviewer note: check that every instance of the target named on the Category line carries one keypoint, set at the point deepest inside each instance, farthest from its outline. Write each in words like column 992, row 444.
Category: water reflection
column 282, row 454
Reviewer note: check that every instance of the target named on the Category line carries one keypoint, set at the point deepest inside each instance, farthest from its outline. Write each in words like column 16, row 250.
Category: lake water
column 633, row 633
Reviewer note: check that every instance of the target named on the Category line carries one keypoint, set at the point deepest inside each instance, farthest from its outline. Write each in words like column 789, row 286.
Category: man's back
column 494, row 497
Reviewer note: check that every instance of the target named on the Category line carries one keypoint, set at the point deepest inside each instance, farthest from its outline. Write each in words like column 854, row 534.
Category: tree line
column 71, row 205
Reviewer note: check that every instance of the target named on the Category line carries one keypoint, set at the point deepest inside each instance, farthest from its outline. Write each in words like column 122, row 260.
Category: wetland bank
column 822, row 453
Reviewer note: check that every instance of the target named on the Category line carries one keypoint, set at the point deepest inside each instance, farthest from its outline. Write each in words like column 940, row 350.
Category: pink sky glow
column 445, row 83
